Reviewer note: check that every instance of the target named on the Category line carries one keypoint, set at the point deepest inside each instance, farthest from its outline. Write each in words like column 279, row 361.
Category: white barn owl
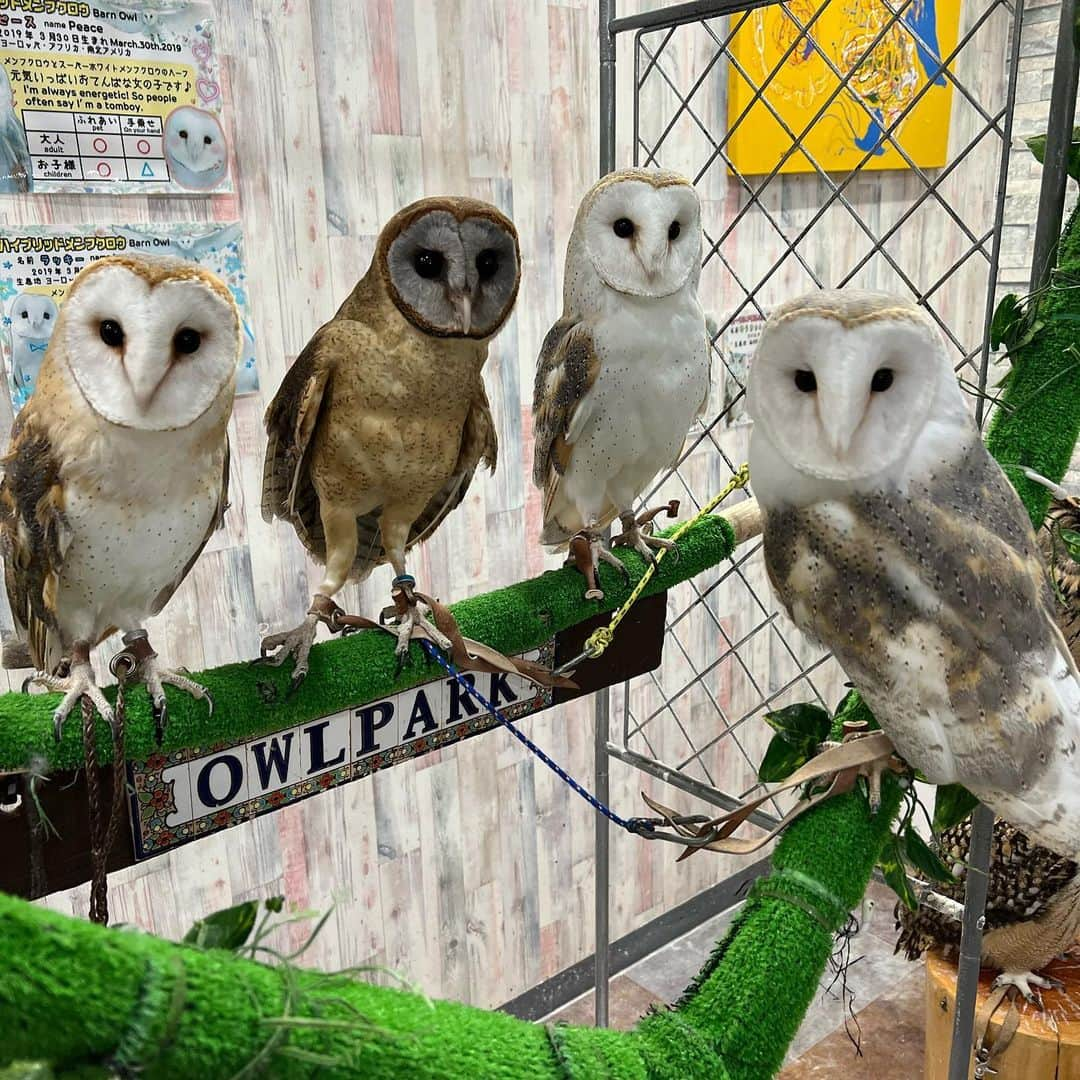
column 625, row 370
column 894, row 539
column 117, row 470
column 33, row 318
column 195, row 148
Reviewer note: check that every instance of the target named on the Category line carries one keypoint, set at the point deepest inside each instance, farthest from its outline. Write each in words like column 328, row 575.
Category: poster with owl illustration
column 38, row 262
column 786, row 107
column 120, row 97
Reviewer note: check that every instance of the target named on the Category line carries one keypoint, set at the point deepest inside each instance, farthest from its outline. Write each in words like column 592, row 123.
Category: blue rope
column 637, row 826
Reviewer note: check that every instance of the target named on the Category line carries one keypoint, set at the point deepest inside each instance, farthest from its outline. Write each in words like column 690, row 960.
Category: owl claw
column 644, row 543
column 78, row 683
column 295, row 643
column 1024, row 981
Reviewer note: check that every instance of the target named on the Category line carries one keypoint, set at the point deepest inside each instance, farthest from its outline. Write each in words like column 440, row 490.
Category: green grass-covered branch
column 347, row 671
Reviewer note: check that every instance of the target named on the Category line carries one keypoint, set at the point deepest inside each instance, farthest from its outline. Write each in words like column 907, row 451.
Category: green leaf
column 227, row 929
column 1037, row 145
column 924, row 858
column 1005, row 316
column 892, row 869
column 27, row 1070
column 799, row 722
column 1071, row 540
column 952, row 804
column 784, row 756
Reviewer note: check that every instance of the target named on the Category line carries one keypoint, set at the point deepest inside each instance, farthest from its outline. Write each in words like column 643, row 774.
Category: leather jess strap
column 465, row 653
column 845, row 762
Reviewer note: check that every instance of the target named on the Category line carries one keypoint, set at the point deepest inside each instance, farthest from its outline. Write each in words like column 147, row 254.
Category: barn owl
column 893, row 538
column 195, row 148
column 379, row 425
column 33, row 317
column 1032, row 907
column 16, row 172
column 625, row 370
column 116, row 475
column 1064, row 514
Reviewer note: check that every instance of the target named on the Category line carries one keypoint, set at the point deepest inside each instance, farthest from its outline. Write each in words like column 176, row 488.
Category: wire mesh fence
column 850, row 143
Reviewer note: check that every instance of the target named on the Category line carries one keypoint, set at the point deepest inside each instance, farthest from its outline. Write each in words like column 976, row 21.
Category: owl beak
column 840, row 418
column 144, row 379
column 463, row 306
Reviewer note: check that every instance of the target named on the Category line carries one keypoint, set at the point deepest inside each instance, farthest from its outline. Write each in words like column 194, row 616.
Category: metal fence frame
column 667, row 20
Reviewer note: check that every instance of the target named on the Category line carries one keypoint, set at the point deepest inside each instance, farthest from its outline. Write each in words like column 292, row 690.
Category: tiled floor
column 887, row 1002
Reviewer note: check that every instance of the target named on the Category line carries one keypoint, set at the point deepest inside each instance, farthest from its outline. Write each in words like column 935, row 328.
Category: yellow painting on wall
column 886, row 79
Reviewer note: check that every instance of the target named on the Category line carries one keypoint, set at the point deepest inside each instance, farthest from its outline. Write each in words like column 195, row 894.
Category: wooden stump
column 1046, row 1045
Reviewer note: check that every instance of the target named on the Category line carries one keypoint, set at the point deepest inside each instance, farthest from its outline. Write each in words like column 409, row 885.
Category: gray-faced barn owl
column 1032, row 907
column 625, row 370
column 893, row 538
column 33, row 317
column 117, row 470
column 379, row 425
column 195, row 148
column 16, row 171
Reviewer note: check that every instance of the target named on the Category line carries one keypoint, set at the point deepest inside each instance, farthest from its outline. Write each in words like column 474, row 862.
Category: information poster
column 116, row 97
column 38, row 262
column 738, row 344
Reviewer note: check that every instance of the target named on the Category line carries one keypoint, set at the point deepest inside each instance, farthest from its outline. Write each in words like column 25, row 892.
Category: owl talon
column 295, row 643
column 643, row 542
column 1024, row 981
column 159, row 709
column 78, row 683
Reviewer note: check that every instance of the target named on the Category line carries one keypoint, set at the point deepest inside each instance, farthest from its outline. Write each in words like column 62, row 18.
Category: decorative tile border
column 179, row 797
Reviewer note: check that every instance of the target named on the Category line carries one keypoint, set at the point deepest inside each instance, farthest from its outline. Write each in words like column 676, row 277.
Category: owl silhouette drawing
column 625, row 370
column 195, row 148
column 117, row 471
column 380, row 424
column 893, row 538
column 33, row 317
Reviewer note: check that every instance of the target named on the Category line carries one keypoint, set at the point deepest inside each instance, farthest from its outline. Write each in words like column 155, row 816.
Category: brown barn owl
column 1032, row 907
column 379, row 425
column 1064, row 514
column 117, row 470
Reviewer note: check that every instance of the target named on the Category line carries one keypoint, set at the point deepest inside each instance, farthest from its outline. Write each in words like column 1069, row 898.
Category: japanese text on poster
column 115, row 98
column 37, row 263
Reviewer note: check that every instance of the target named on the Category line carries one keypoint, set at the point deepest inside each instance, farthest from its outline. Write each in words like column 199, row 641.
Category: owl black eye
column 623, row 228
column 673, row 230
column 206, row 139
column 26, row 314
column 182, row 133
column 487, row 264
column 882, row 380
column 112, row 333
column 805, row 381
column 46, row 315
column 187, row 340
column 427, row 263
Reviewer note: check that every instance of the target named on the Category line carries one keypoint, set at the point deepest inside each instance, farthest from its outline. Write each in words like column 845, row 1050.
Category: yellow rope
column 600, row 639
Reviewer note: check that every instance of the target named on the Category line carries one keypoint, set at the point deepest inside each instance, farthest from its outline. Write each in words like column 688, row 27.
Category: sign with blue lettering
column 179, row 797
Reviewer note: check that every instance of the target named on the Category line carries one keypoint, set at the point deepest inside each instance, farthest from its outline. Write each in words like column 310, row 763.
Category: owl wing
column 216, row 522
column 291, row 421
column 565, row 372
column 479, row 445
column 34, row 535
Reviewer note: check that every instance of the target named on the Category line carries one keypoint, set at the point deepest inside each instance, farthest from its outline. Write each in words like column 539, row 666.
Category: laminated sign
column 37, row 263
column 117, row 97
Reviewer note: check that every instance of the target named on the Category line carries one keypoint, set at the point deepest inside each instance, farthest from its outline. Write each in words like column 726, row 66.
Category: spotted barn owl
column 33, row 318
column 894, row 539
column 195, row 148
column 625, row 370
column 378, row 427
column 117, row 471
column 1032, row 907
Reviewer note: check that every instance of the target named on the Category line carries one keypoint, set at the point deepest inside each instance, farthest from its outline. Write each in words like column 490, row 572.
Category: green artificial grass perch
column 1038, row 422
column 347, row 671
